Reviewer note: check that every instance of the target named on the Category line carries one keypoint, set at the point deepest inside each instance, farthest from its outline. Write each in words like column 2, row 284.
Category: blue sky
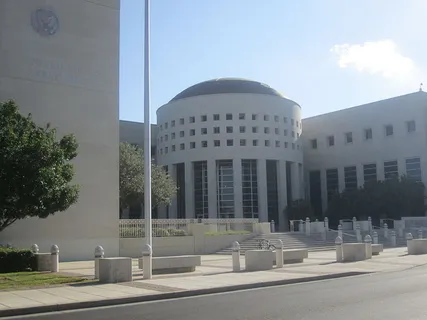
column 325, row 54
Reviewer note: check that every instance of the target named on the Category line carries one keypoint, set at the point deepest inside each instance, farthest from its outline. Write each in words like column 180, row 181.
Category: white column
column 212, row 193
column 380, row 170
column 173, row 207
column 341, row 179
column 189, row 190
column 237, row 177
column 262, row 190
column 301, row 180
column 360, row 176
column 296, row 183
column 323, row 190
column 282, row 194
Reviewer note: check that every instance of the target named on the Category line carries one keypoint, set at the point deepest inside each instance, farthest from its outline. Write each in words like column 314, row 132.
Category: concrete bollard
column 393, row 238
column 420, row 233
column 369, row 224
column 354, row 223
column 35, row 249
column 326, row 224
column 409, row 236
column 385, row 230
column 235, row 256
column 358, row 234
column 375, row 237
column 400, row 232
column 338, row 249
column 340, row 231
column 147, row 262
column 54, row 258
column 368, row 246
column 307, row 226
column 301, row 226
column 279, row 254
column 99, row 254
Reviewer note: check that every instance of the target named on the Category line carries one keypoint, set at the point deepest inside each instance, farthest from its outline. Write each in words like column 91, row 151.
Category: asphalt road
column 394, row 295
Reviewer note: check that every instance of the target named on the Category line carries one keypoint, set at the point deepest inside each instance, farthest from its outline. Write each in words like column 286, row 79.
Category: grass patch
column 20, row 280
column 227, row 233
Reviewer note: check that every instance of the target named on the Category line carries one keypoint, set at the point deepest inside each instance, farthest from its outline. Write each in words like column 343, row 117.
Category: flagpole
column 147, row 268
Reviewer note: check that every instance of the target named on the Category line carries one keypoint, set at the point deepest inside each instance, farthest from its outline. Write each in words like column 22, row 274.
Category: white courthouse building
column 239, row 149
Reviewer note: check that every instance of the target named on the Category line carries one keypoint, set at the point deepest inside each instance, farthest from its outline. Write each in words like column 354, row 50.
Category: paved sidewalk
column 213, row 276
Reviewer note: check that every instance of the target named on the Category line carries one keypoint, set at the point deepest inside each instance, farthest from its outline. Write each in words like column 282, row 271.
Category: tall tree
column 163, row 188
column 35, row 168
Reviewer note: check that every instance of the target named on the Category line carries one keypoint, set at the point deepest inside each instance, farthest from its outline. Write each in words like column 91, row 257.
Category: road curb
column 169, row 295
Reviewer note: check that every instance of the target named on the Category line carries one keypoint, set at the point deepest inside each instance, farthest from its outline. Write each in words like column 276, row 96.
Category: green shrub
column 17, row 260
column 177, row 232
column 227, row 233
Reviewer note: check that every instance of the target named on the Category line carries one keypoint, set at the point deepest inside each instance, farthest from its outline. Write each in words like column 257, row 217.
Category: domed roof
column 227, row 85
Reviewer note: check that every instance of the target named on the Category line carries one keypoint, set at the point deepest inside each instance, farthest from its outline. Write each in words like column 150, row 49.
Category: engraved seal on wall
column 45, row 22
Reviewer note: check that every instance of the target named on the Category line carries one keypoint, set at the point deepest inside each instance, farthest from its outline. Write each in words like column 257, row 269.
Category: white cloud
column 379, row 58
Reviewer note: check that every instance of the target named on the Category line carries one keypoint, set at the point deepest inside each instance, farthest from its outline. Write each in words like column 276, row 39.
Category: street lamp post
column 147, row 267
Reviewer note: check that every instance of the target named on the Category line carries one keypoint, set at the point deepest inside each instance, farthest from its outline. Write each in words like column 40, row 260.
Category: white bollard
column 147, row 262
column 375, row 237
column 354, row 223
column 368, row 246
column 369, row 224
column 279, row 254
column 400, row 232
column 358, row 234
column 272, row 226
column 326, row 224
column 393, row 238
column 409, row 236
column 307, row 226
column 99, row 254
column 54, row 258
column 35, row 249
column 338, row 249
column 235, row 256
column 340, row 231
column 301, row 226
column 385, row 230
column 420, row 233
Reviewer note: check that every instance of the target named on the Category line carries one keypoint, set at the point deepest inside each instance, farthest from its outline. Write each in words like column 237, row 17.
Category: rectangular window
column 254, row 129
column 181, row 121
column 230, row 142
column 216, row 130
column 267, row 143
column 173, row 148
column 161, row 127
column 285, row 132
column 292, row 122
column 204, row 144
column 255, row 143
column 192, row 119
column 229, row 116
column 182, row 146
column 249, row 189
column 296, row 124
column 166, row 137
column 254, row 116
column 161, row 139
column 277, row 144
column 285, row 120
column 242, row 142
column 370, row 172
column 331, row 183
column 349, row 137
column 276, row 130
column 225, row 189
column 350, row 177
column 410, row 126
column 276, row 118
column 181, row 134
column 204, row 118
column 173, row 123
column 391, row 169
column 192, row 132
column 241, row 116
column 166, row 125
column 204, row 130
column 313, row 143
column 331, row 141
column 166, row 149
column 413, row 168
column 217, row 143
column 293, row 146
column 192, row 145
column 286, row 144
column 266, row 117
column 201, row 206
column 388, row 130
column 267, row 130
column 242, row 129
column 229, row 129
column 368, row 134
column 216, row 117
column 293, row 134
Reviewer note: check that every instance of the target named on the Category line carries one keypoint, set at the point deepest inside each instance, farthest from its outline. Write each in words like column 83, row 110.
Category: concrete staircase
column 291, row 240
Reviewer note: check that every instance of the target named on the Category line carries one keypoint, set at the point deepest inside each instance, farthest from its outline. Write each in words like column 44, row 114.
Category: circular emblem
column 45, row 22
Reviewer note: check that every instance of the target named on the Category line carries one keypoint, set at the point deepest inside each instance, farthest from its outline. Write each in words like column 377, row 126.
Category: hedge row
column 17, row 260
column 131, row 232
